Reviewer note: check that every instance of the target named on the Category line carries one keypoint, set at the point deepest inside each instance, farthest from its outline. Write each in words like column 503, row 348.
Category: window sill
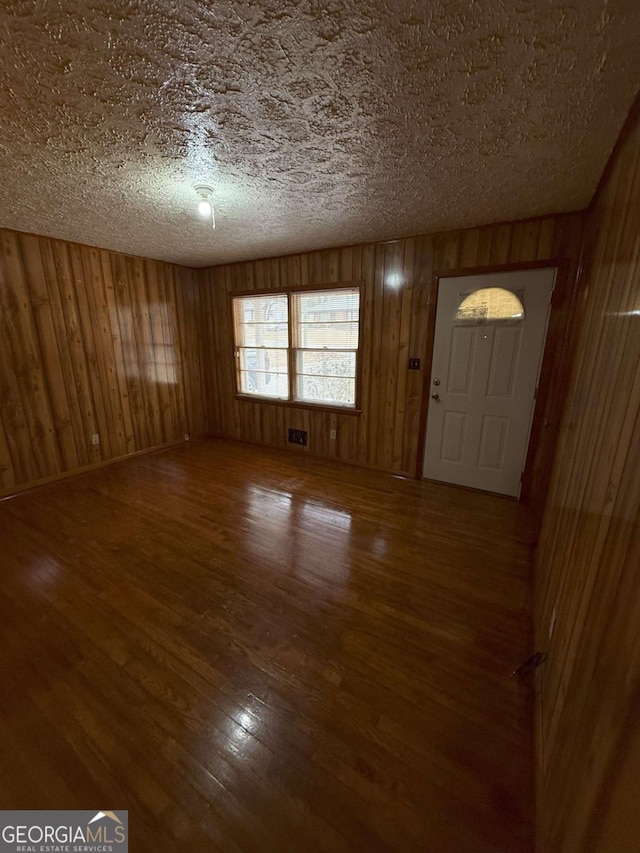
column 294, row 404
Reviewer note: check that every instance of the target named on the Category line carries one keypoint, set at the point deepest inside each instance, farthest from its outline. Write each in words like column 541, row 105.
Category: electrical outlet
column 333, row 435
column 95, row 438
column 552, row 622
column 186, row 436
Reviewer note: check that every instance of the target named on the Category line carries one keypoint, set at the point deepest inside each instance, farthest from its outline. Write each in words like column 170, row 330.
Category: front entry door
column 489, row 339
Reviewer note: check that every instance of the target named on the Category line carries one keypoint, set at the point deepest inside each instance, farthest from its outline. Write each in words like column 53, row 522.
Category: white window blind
column 326, row 331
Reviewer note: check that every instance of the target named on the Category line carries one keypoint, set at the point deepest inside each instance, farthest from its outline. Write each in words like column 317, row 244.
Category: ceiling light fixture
column 205, row 205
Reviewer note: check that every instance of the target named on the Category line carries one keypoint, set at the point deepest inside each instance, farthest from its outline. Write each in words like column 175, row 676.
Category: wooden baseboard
column 294, row 448
column 45, row 481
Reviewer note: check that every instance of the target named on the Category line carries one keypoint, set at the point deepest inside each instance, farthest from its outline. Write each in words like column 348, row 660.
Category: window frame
column 290, row 292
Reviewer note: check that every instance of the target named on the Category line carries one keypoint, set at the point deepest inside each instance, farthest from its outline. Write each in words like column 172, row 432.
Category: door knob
column 436, row 381
column 435, row 396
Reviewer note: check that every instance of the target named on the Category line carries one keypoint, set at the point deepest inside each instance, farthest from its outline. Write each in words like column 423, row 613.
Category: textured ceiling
column 318, row 122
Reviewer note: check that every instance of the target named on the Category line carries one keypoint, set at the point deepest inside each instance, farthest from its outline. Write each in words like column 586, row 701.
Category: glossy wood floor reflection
column 255, row 651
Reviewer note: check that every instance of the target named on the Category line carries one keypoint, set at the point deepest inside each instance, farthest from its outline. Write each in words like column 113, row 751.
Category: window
column 300, row 346
column 262, row 343
column 489, row 304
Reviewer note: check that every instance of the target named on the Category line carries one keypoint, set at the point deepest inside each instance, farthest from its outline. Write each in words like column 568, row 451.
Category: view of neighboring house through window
column 300, row 346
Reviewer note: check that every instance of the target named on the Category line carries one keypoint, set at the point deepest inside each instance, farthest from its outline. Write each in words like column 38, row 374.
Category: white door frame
column 560, row 265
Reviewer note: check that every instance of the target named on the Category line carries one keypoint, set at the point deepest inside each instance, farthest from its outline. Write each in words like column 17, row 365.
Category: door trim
column 558, row 325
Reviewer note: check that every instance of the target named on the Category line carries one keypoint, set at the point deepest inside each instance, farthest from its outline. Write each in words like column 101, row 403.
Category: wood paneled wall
column 140, row 352
column 396, row 325
column 92, row 342
column 588, row 558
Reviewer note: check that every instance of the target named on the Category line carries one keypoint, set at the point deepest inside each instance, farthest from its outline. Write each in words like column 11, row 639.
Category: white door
column 489, row 339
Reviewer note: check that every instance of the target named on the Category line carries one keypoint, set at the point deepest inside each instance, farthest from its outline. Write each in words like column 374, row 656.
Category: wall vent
column 298, row 436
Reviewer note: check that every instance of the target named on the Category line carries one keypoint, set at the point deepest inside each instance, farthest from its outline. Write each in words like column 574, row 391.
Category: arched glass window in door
column 489, row 305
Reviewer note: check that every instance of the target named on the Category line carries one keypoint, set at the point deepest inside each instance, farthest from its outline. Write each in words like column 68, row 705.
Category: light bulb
column 205, row 206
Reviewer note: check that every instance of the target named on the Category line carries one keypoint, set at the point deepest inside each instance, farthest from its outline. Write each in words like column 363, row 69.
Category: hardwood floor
column 255, row 651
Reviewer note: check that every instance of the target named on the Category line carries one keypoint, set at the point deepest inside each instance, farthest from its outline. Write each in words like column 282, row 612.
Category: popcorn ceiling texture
column 318, row 122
